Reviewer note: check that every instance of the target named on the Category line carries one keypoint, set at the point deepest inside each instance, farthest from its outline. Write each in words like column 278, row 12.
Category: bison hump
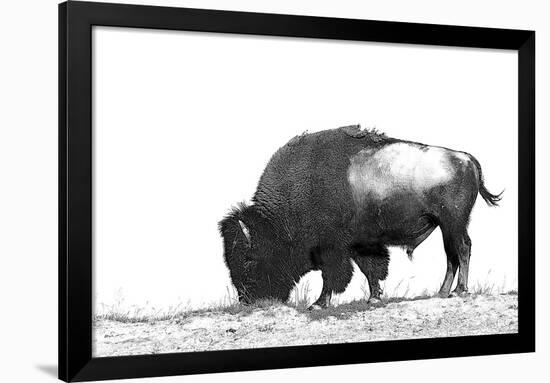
column 355, row 131
column 296, row 139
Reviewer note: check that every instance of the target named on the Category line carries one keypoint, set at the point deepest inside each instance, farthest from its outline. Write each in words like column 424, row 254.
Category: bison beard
column 346, row 194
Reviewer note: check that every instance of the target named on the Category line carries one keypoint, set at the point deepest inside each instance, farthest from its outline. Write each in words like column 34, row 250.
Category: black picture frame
column 75, row 189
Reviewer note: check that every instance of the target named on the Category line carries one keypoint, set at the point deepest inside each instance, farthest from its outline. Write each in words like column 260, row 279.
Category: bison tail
column 491, row 199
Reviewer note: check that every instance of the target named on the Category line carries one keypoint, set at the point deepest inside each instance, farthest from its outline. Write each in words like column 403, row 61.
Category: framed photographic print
column 245, row 191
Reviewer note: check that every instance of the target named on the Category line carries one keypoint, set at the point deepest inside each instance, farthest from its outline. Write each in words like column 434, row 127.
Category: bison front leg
column 337, row 272
column 375, row 269
column 324, row 299
column 374, row 264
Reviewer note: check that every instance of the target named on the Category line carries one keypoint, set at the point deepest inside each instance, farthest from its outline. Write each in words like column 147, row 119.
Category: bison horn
column 245, row 231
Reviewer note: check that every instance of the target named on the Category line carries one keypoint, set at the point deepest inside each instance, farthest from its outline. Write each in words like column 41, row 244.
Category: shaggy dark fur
column 305, row 217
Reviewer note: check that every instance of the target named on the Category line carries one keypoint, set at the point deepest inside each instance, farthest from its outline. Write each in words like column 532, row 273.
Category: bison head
column 254, row 254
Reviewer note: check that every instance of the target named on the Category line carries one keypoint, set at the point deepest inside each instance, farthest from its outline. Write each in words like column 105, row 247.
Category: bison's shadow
column 346, row 310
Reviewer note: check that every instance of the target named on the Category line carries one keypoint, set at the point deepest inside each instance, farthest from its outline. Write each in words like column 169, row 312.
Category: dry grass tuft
column 300, row 301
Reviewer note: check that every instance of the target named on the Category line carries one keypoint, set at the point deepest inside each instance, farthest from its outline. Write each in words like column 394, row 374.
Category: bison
column 329, row 197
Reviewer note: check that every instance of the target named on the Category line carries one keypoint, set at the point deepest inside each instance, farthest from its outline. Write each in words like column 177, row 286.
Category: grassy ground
column 273, row 324
column 300, row 300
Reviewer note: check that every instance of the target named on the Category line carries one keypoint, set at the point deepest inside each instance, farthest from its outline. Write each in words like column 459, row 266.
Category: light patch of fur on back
column 398, row 167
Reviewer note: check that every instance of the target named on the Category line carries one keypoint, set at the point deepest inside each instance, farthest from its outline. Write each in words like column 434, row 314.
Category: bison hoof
column 314, row 307
column 373, row 301
column 455, row 294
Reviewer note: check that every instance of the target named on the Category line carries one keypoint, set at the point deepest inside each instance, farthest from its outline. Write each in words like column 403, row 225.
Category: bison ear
column 245, row 230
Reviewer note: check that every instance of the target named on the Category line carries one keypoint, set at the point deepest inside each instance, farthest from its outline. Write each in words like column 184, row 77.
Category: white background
column 184, row 124
column 28, row 197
